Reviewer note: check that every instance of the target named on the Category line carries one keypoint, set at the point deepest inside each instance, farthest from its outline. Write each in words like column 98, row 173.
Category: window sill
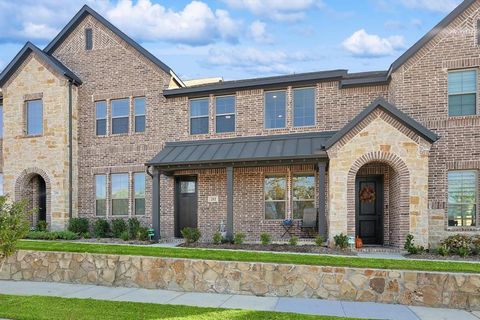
column 462, row 229
column 32, row 136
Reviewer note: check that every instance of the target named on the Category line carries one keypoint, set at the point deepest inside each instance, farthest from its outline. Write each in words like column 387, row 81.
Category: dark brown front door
column 369, row 209
column 185, row 203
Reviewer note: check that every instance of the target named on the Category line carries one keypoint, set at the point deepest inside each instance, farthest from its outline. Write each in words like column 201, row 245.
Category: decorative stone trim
column 33, row 96
column 419, row 288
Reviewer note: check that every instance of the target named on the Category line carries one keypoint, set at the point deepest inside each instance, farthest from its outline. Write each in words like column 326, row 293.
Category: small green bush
column 319, row 240
column 54, row 235
column 476, row 245
column 217, row 238
column 41, row 225
column 142, row 234
column 293, row 241
column 443, row 250
column 341, row 241
column 14, row 224
column 124, row 236
column 85, row 235
column 101, row 228
column 239, row 238
column 118, row 227
column 78, row 225
column 191, row 235
column 265, row 238
column 133, row 228
column 458, row 244
column 411, row 247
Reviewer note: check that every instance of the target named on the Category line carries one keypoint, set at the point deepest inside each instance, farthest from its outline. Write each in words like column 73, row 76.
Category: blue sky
column 242, row 38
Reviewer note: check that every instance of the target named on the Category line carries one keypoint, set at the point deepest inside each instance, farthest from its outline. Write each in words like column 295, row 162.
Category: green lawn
column 51, row 308
column 251, row 256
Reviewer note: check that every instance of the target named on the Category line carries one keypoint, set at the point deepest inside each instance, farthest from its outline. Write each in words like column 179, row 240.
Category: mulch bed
column 433, row 256
column 271, row 247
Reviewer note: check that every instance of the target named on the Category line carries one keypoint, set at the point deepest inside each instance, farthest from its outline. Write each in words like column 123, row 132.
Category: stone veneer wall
column 433, row 289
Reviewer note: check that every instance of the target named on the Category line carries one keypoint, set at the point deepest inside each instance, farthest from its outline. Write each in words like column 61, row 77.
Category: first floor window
column 120, row 116
column 199, row 116
column 275, row 197
column 139, row 187
column 303, row 194
column 139, row 106
column 101, row 118
column 101, row 195
column 34, row 117
column 1, row 184
column 462, row 198
column 119, row 194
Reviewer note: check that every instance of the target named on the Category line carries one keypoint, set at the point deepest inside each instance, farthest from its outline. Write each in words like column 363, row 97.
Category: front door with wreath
column 369, row 213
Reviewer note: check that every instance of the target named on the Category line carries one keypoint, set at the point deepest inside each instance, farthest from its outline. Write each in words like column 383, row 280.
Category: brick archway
column 22, row 183
column 402, row 176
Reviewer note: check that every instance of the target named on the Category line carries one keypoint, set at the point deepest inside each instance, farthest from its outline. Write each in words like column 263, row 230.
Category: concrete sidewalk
column 297, row 305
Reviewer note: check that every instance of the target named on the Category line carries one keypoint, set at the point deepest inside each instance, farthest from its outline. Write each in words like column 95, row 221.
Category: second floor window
column 101, row 195
column 101, row 118
column 225, row 114
column 462, row 198
column 199, row 116
column 120, row 194
column 139, row 190
column 275, row 105
column 304, row 107
column 462, row 93
column 139, row 107
column 34, row 119
column 120, row 116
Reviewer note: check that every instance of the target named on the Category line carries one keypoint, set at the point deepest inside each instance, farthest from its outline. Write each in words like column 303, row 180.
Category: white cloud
column 258, row 32
column 362, row 44
column 38, row 31
column 255, row 60
column 281, row 10
column 431, row 5
column 196, row 24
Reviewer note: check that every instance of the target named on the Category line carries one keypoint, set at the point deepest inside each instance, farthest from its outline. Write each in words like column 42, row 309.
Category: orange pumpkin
column 358, row 243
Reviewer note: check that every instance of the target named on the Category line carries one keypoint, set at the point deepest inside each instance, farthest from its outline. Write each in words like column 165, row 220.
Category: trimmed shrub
column 118, row 227
column 411, row 247
column 41, row 225
column 55, row 235
column 191, row 235
column 142, row 234
column 319, row 240
column 293, row 241
column 217, row 238
column 239, row 238
column 101, row 228
column 458, row 244
column 79, row 225
column 133, row 228
column 265, row 238
column 341, row 241
column 124, row 236
column 14, row 224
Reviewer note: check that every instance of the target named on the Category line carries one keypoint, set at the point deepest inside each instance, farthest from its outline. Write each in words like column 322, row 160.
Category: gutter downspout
column 70, row 151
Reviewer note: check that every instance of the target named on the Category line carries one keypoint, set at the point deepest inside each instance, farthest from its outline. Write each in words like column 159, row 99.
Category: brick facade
column 414, row 172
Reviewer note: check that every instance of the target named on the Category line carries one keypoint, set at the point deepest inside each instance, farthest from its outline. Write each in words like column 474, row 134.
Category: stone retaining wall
column 433, row 289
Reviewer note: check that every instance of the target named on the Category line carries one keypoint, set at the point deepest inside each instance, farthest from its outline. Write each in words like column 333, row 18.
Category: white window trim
column 463, row 93
column 111, row 194
column 477, row 215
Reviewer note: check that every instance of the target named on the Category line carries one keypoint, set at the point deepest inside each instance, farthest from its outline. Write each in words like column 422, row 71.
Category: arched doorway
column 34, row 187
column 378, row 209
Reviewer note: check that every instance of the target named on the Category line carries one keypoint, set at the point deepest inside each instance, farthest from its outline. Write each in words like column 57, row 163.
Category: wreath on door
column 367, row 194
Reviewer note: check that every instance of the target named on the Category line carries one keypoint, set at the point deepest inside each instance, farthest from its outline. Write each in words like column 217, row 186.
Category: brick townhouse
column 96, row 126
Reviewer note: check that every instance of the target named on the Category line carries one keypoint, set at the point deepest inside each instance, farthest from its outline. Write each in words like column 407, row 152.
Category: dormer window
column 88, row 39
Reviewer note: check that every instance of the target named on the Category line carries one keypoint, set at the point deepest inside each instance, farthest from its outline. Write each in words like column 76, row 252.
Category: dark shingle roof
column 299, row 146
column 86, row 10
column 393, row 111
column 50, row 60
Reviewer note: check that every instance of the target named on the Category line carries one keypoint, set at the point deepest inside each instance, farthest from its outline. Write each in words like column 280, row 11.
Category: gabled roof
column 431, row 34
column 394, row 112
column 244, row 150
column 50, row 60
column 86, row 10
